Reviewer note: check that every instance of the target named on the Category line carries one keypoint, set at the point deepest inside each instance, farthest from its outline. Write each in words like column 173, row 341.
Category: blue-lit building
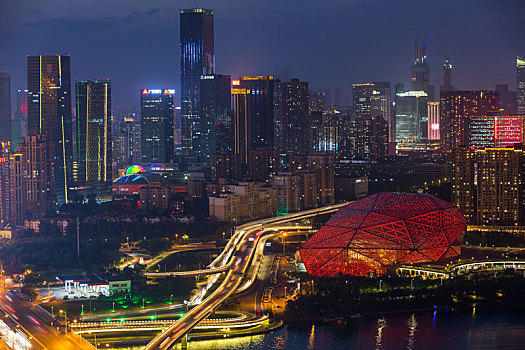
column 197, row 59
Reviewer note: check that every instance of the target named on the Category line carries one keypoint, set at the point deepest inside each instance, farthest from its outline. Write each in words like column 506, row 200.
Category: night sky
column 328, row 43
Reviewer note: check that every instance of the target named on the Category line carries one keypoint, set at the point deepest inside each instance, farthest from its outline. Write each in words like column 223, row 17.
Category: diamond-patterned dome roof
column 367, row 235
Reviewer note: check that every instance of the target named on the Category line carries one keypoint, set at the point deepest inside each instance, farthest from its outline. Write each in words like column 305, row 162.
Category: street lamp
column 143, row 303
column 113, row 310
column 285, row 293
column 380, row 284
column 284, row 244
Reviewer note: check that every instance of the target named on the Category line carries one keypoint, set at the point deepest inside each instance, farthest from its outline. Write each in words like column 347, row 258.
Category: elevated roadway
column 236, row 259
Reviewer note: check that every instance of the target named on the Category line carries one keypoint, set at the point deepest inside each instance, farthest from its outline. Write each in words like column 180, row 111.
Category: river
column 440, row 330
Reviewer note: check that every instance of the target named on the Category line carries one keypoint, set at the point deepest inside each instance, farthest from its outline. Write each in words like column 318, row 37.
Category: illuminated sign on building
column 236, row 82
column 158, row 91
column 257, row 77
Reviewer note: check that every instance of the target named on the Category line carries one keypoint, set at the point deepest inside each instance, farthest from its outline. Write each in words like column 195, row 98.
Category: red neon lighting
column 2, row 160
column 368, row 235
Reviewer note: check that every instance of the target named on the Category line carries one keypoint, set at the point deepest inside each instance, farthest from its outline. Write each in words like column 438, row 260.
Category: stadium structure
column 366, row 236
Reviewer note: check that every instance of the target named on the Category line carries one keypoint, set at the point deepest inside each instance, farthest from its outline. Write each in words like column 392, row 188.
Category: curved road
column 239, row 253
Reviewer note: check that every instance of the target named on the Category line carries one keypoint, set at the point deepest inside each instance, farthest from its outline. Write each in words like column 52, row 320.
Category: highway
column 35, row 324
column 237, row 258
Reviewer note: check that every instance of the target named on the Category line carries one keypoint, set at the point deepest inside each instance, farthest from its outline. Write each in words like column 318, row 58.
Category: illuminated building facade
column 366, row 236
column 411, row 117
column 157, row 108
column 500, row 186
column 241, row 123
column 197, row 59
column 433, row 121
column 520, row 84
column 254, row 114
column 5, row 196
column 49, row 113
column 325, row 134
column 216, row 133
column 5, row 106
column 456, row 108
column 94, row 142
column 243, row 202
column 17, row 189
column 32, row 172
column 488, row 185
column 373, row 100
column 294, row 117
column 462, row 185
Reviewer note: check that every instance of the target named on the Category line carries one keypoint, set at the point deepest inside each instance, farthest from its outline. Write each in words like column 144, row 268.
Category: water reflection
column 412, row 327
column 381, row 324
column 455, row 330
column 311, row 341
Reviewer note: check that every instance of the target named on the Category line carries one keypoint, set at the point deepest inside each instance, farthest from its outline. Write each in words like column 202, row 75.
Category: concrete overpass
column 237, row 257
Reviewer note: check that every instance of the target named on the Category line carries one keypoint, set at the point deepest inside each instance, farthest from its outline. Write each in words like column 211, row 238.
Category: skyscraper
column 500, row 186
column 495, row 131
column 433, row 121
column 456, row 107
column 411, row 117
column 216, row 134
column 157, row 108
column 49, row 113
column 5, row 107
column 5, row 196
column 197, row 58
column 33, row 172
column 373, row 100
column 19, row 123
column 447, row 76
column 462, row 184
column 487, row 185
column 255, row 111
column 295, row 117
column 94, row 145
column 420, row 70
column 507, row 99
column 520, row 84
column 317, row 101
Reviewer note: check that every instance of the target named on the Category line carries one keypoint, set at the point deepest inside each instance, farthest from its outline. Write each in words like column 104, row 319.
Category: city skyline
column 340, row 57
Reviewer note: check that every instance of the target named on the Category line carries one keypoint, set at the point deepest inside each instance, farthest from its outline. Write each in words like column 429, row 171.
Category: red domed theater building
column 366, row 236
